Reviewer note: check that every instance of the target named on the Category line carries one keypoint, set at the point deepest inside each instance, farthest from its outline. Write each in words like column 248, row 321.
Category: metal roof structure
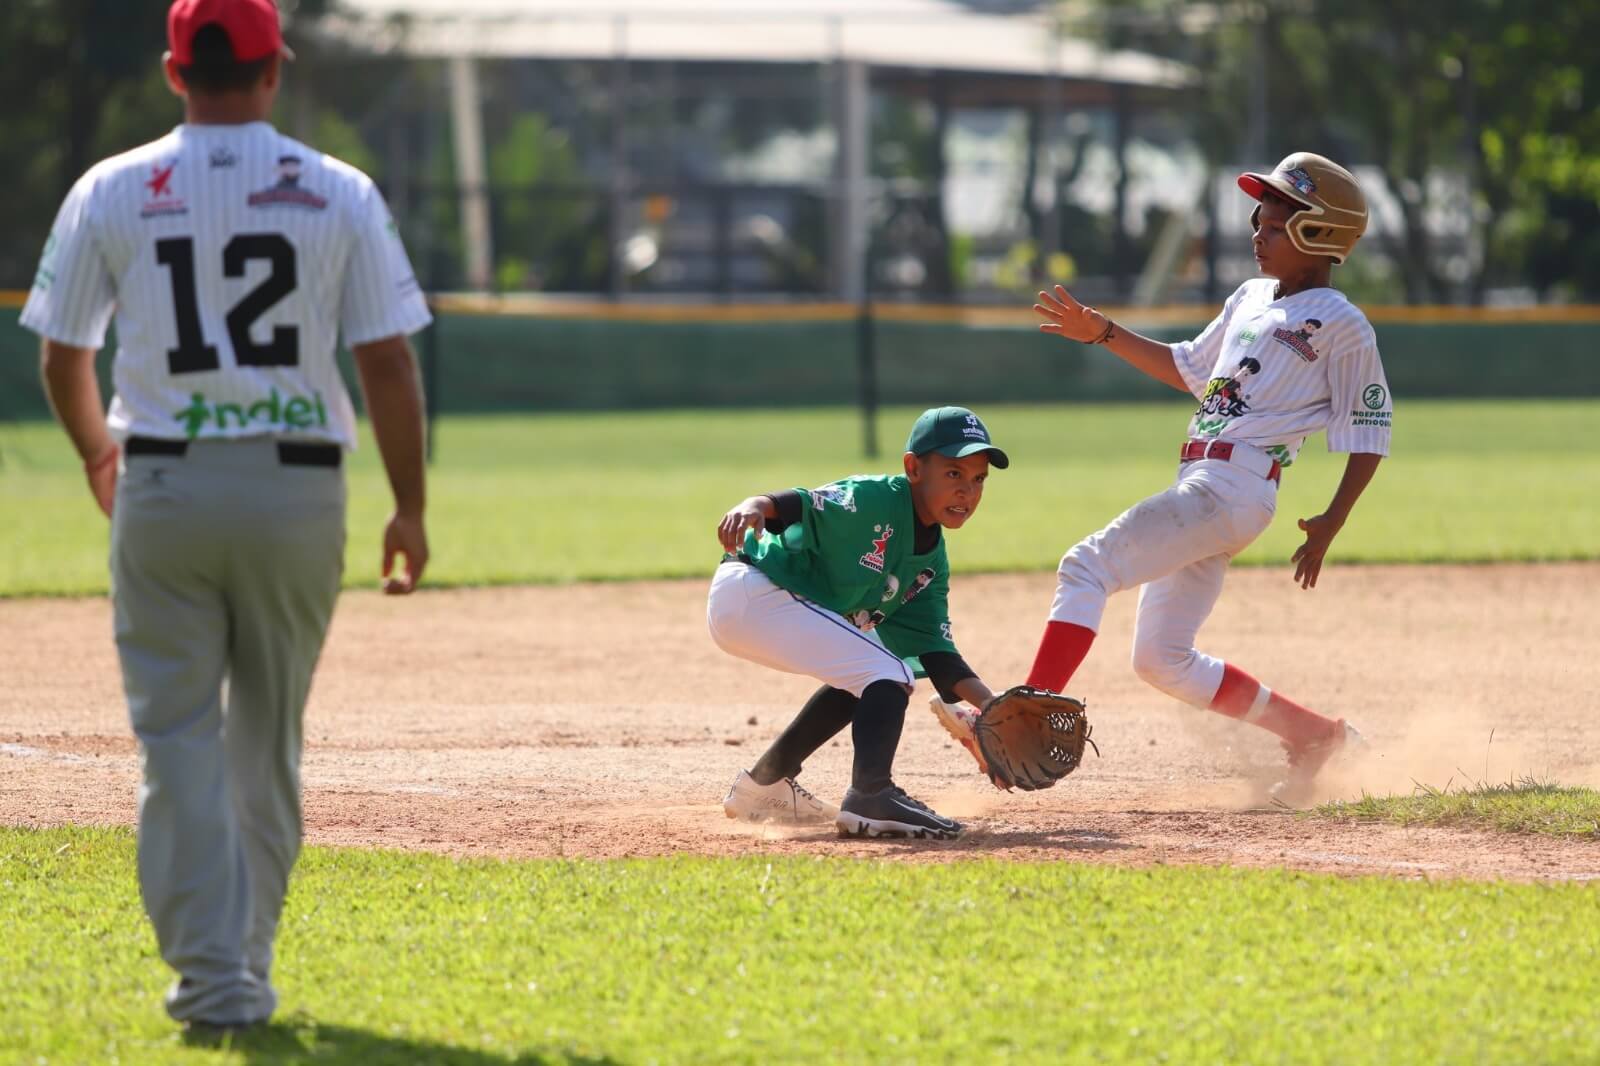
column 949, row 53
column 918, row 35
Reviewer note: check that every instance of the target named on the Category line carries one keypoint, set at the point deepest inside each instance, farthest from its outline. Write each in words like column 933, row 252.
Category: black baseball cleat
column 890, row 812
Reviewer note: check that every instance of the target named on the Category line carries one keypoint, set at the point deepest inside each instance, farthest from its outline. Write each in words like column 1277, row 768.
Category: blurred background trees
column 1488, row 110
column 1481, row 116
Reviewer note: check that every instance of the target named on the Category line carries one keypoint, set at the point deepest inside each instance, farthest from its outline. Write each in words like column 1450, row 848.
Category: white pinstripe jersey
column 232, row 257
column 1272, row 372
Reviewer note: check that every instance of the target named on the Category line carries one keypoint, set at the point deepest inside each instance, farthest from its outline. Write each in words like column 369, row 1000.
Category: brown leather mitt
column 1032, row 738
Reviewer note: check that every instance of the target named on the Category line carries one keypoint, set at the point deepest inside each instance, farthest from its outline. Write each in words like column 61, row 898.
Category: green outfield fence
column 536, row 354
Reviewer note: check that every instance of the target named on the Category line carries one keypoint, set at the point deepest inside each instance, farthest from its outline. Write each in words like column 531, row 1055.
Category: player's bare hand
column 1307, row 558
column 102, row 474
column 730, row 531
column 1066, row 317
column 404, row 538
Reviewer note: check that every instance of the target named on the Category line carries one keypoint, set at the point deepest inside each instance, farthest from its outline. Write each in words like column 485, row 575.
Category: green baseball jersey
column 852, row 552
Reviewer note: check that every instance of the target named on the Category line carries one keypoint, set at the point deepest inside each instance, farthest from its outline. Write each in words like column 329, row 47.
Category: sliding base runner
column 1287, row 357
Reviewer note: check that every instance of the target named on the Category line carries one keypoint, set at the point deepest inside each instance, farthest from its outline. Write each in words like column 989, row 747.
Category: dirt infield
column 599, row 720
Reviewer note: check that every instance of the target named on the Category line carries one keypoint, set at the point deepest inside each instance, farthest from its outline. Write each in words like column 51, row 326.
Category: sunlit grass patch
column 390, row 957
column 1525, row 805
column 587, row 496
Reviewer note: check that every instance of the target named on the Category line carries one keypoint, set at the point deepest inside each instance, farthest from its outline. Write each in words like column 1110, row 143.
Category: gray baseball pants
column 225, row 564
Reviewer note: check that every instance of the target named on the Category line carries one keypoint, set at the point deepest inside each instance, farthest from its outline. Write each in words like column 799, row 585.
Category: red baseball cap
column 252, row 27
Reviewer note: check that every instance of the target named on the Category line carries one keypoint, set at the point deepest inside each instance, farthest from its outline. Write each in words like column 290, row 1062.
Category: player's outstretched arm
column 393, row 393
column 751, row 513
column 74, row 394
column 972, row 690
column 1066, row 317
column 1321, row 529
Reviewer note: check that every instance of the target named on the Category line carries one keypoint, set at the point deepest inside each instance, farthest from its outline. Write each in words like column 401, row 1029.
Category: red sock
column 1242, row 696
column 1061, row 651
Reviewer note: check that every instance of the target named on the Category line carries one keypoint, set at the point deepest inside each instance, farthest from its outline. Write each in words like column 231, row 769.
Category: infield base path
column 600, row 720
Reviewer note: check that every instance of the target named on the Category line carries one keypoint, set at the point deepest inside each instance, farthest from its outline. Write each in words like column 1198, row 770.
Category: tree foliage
column 69, row 65
column 1488, row 108
column 1482, row 115
column 81, row 81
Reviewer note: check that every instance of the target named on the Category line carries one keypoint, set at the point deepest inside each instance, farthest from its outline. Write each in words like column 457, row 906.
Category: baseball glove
column 1031, row 738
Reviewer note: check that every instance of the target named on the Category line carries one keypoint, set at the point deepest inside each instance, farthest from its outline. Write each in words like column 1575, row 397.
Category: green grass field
column 403, row 958
column 396, row 958
column 542, row 498
column 1525, row 806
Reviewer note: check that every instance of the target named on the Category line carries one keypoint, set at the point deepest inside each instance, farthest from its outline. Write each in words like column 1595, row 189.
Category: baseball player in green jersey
column 233, row 258
column 849, row 584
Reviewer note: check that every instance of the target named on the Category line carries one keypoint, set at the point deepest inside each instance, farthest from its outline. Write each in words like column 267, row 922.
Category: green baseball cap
column 954, row 432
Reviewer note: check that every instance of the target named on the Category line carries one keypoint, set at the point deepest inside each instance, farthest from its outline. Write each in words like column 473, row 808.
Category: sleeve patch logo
column 1374, row 398
column 838, row 495
column 46, row 277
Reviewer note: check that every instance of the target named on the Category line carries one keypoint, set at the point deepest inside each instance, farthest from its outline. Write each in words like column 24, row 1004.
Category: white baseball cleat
column 1307, row 760
column 957, row 721
column 786, row 802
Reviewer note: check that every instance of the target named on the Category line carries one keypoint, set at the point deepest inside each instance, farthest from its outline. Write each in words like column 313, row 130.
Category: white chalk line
column 23, row 751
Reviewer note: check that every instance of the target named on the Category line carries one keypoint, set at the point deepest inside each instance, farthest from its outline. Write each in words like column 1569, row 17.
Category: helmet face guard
column 1332, row 212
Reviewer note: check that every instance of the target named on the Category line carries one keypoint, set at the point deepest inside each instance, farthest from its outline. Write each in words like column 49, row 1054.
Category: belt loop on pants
column 290, row 452
column 1223, row 451
column 154, row 446
column 307, row 453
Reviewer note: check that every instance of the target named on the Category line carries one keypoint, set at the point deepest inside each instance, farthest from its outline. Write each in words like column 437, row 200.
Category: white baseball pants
column 754, row 619
column 1177, row 544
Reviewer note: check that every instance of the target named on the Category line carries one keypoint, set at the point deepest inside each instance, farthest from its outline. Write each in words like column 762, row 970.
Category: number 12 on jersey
column 193, row 354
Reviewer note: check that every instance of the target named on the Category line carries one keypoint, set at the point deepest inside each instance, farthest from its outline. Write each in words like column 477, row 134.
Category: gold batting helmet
column 1333, row 212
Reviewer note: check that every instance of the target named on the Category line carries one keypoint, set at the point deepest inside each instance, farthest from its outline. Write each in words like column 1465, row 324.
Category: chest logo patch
column 924, row 578
column 873, row 560
column 1299, row 340
column 288, row 192
column 867, row 621
column 160, row 183
column 163, row 200
column 1225, row 397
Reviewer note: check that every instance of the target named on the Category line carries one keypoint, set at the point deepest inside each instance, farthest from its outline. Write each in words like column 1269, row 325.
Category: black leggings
column 878, row 717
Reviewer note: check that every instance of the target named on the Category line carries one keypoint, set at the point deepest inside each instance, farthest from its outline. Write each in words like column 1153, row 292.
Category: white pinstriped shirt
column 1272, row 372
column 231, row 257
